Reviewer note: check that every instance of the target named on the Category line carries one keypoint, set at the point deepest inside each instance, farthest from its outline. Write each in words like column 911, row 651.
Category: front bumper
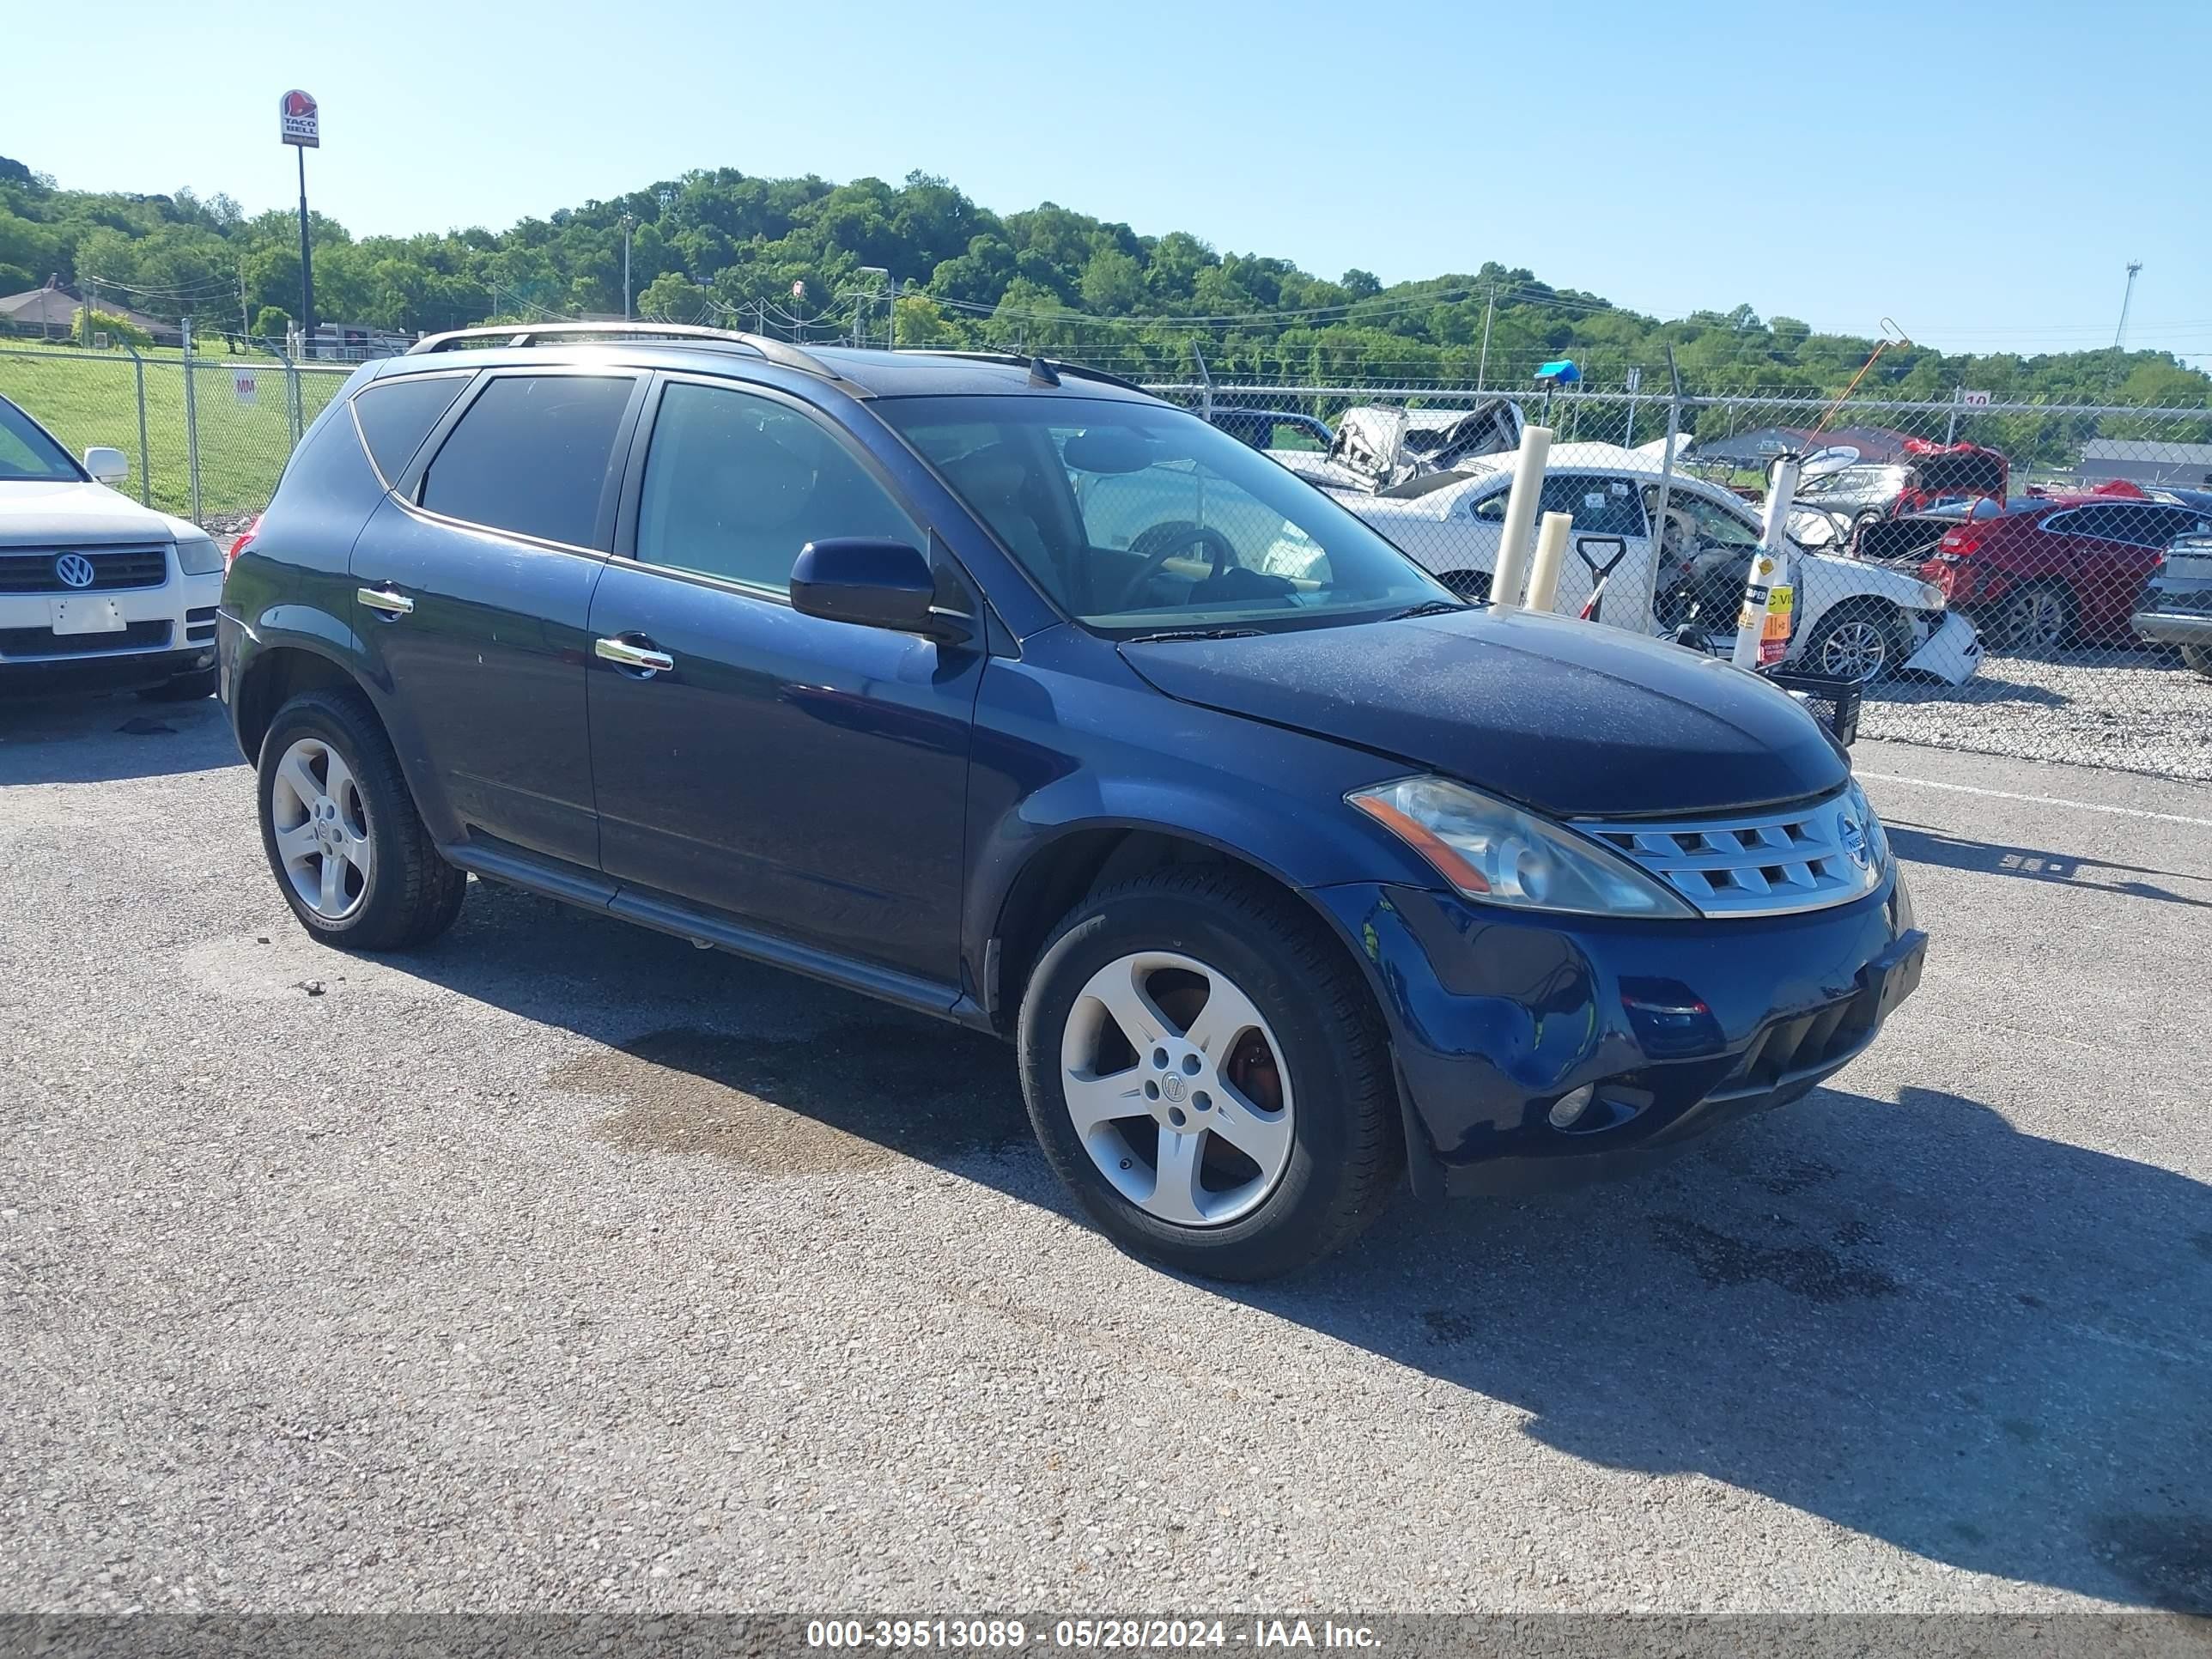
column 1680, row 1027
column 130, row 671
column 2174, row 627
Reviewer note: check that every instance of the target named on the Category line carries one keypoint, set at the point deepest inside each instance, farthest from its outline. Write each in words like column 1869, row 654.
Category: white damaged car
column 1850, row 619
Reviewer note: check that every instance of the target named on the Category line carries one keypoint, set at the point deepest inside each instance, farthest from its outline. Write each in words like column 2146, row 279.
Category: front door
column 806, row 777
column 472, row 587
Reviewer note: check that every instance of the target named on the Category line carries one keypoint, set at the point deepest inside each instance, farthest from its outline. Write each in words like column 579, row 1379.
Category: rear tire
column 2034, row 618
column 1247, row 1027
column 185, row 688
column 2199, row 657
column 350, row 854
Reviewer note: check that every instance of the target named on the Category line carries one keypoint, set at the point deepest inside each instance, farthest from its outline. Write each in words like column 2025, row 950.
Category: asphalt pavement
column 561, row 1265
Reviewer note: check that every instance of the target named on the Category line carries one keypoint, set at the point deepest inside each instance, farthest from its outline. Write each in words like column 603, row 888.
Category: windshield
column 1136, row 518
column 26, row 453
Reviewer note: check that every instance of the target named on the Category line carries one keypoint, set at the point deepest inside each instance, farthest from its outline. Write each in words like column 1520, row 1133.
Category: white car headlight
column 1502, row 855
column 197, row 556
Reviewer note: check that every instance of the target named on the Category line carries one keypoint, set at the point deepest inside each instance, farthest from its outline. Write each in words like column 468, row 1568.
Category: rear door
column 472, row 591
column 808, row 778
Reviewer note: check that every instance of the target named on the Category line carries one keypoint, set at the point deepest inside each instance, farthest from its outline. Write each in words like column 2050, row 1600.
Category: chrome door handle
column 622, row 651
column 384, row 599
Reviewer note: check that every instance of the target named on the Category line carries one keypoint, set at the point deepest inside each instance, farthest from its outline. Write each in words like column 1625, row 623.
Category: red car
column 2051, row 570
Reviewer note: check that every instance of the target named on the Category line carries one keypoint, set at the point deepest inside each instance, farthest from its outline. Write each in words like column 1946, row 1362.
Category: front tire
column 2199, row 657
column 1861, row 643
column 1205, row 1069
column 349, row 852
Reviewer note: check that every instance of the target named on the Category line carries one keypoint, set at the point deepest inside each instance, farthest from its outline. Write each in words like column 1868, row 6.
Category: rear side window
column 1601, row 505
column 531, row 456
column 395, row 417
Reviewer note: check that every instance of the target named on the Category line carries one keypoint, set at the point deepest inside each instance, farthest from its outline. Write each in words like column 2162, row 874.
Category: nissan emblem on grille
column 1855, row 839
column 74, row 570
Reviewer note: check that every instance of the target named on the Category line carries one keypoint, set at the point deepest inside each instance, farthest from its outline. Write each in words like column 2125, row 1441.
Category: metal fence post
column 293, row 407
column 1649, row 596
column 145, row 454
column 192, row 420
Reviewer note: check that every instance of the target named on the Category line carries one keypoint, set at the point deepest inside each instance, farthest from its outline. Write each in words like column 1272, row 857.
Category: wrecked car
column 1377, row 446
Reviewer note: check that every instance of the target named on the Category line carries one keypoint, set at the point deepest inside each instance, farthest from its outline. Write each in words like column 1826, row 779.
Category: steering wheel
column 1173, row 541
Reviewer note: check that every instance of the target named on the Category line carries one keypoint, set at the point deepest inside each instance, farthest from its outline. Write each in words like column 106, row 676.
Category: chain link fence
column 1987, row 572
column 206, row 435
column 1998, row 577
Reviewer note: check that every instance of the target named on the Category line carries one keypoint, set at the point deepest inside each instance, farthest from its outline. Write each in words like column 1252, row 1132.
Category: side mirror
column 872, row 583
column 106, row 466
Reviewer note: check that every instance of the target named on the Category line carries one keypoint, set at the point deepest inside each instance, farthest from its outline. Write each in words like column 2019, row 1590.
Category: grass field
column 91, row 398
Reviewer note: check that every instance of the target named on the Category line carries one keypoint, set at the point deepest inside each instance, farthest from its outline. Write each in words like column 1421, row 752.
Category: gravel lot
column 560, row 1265
column 2132, row 711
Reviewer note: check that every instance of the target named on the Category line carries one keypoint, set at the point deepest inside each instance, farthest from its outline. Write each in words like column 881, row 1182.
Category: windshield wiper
column 1430, row 607
column 1193, row 634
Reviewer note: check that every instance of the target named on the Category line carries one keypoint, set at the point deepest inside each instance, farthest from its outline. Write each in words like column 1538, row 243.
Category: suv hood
column 1567, row 717
column 42, row 514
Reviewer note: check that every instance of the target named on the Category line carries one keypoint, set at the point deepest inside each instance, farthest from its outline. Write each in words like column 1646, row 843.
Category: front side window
column 531, row 456
column 27, row 455
column 736, row 485
column 1135, row 518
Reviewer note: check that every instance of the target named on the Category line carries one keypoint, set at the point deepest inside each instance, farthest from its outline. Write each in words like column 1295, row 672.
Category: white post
column 191, row 418
column 1751, row 620
column 1520, row 517
column 1550, row 548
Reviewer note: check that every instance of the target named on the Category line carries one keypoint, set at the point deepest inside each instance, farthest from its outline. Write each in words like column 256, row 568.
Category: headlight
column 198, row 556
column 1503, row 856
column 1931, row 597
column 1863, row 810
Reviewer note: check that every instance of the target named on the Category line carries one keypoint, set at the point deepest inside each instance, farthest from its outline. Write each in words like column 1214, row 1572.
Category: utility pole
column 627, row 221
column 1489, row 310
column 2119, row 338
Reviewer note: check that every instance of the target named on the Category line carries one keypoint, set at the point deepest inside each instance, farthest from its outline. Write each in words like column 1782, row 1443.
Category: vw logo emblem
column 74, row 570
column 1853, row 838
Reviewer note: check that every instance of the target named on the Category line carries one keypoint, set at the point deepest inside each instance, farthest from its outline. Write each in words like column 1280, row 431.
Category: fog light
column 1569, row 1108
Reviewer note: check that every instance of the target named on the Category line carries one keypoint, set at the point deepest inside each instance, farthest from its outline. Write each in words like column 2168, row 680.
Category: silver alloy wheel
column 1856, row 649
column 2036, row 620
column 321, row 821
column 1191, row 1119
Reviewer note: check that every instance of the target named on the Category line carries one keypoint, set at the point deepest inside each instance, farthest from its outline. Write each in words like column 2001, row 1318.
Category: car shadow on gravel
column 106, row 738
column 1906, row 1317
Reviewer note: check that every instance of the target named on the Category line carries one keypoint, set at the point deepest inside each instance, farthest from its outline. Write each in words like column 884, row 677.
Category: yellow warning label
column 1774, row 634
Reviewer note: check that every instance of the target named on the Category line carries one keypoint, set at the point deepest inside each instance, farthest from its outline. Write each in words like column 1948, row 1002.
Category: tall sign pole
column 301, row 123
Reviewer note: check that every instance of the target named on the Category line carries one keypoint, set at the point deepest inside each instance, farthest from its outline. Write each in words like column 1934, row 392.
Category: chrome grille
column 1755, row 864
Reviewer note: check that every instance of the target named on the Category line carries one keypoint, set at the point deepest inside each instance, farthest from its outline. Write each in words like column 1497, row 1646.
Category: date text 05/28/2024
column 1084, row 1634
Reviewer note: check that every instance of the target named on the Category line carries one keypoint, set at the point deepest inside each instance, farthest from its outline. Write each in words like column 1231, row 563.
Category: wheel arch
column 276, row 674
column 1054, row 873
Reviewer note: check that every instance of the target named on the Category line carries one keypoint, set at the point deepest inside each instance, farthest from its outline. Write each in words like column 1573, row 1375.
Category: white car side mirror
column 106, row 466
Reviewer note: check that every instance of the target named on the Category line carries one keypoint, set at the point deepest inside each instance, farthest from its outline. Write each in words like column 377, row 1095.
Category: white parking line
column 2038, row 800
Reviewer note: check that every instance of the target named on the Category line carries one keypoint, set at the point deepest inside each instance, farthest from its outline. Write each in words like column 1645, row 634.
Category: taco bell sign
column 301, row 122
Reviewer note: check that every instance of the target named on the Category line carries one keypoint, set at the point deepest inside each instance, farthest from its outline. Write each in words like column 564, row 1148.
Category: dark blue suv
column 1000, row 690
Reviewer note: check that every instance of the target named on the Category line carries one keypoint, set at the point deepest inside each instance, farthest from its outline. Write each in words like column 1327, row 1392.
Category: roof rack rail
column 1030, row 360
column 780, row 352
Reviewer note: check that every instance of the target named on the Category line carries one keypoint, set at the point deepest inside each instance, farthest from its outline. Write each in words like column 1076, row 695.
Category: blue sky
column 1980, row 173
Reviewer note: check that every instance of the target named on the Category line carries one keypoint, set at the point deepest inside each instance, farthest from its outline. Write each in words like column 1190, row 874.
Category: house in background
column 2180, row 467
column 54, row 313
